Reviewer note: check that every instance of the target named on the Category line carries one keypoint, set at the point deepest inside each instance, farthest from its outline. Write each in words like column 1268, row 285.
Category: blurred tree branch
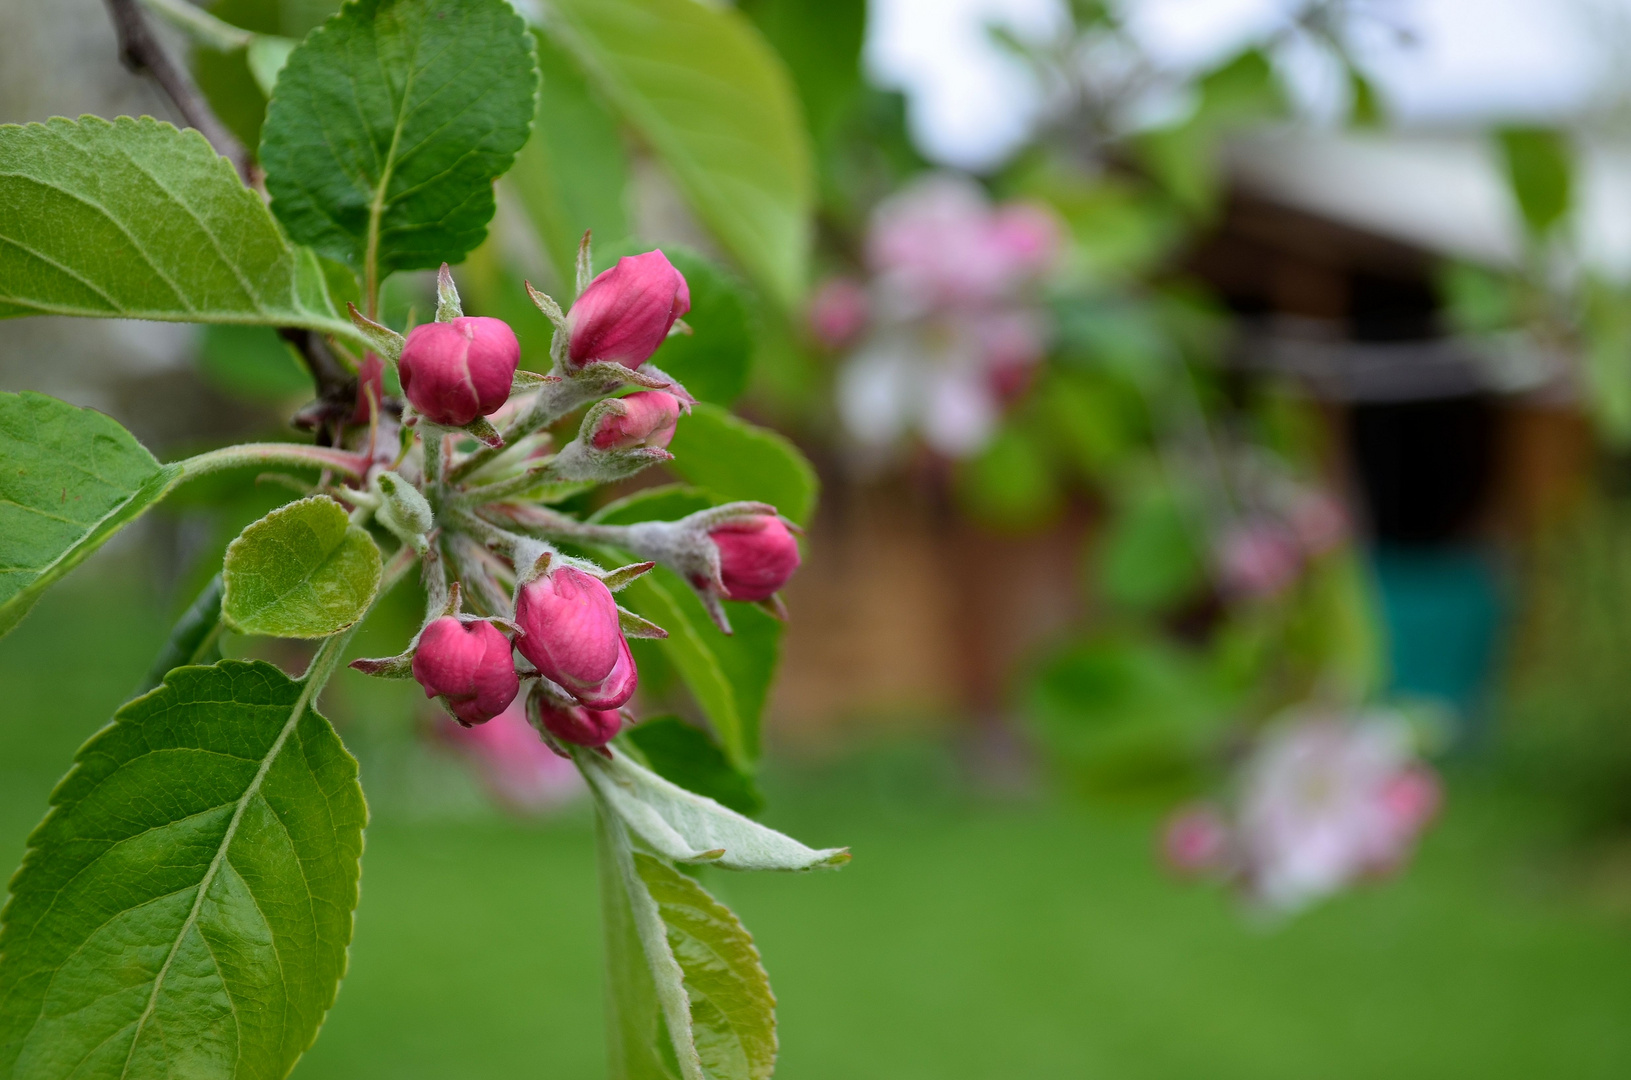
column 141, row 52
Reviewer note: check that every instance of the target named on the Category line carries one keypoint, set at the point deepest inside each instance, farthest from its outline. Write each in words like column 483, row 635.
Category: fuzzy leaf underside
column 733, row 1012
column 69, row 479
column 136, row 219
column 713, row 100
column 185, row 908
column 302, row 571
column 392, row 120
column 685, row 827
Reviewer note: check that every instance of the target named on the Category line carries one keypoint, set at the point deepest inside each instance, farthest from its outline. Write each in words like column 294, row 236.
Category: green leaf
column 686, row 827
column 252, row 362
column 134, row 219
column 821, row 44
column 702, row 88
column 1148, row 557
column 648, row 1021
column 389, row 125
column 184, row 910
column 572, row 174
column 1128, row 715
column 1010, row 483
column 685, row 755
column 69, row 479
column 733, row 1012
column 195, row 639
column 737, row 460
column 1540, row 171
column 302, row 571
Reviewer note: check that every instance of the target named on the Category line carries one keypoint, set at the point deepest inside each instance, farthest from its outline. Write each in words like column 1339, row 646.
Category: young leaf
column 573, row 173
column 185, row 908
column 135, row 219
column 687, row 827
column 648, row 1021
column 714, row 102
column 684, row 754
column 1540, row 172
column 737, row 460
column 733, row 1012
column 389, row 125
column 71, row 479
column 302, row 571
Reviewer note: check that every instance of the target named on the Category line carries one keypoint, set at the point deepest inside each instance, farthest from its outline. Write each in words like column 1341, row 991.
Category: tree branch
column 141, row 53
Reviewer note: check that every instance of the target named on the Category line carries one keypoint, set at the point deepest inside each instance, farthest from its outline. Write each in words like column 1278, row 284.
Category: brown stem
column 141, row 52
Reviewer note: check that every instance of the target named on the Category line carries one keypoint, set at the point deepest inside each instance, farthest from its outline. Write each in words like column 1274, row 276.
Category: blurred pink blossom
column 939, row 242
column 955, row 326
column 1327, row 801
column 1319, row 522
column 513, row 761
column 838, row 312
column 1196, row 839
column 1257, row 558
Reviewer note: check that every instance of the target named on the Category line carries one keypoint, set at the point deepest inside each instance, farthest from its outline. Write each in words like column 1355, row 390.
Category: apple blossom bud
column 646, row 418
column 468, row 666
column 756, row 556
column 627, row 311
column 573, row 637
column 576, row 724
column 455, row 371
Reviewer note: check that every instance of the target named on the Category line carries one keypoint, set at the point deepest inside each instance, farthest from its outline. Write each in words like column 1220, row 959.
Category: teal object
column 1442, row 611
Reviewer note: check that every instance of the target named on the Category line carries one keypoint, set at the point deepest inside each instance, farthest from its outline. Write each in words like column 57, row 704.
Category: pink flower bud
column 838, row 312
column 467, row 665
column 585, row 727
column 627, row 311
column 573, row 637
column 756, row 556
column 646, row 418
column 456, row 371
column 1195, row 840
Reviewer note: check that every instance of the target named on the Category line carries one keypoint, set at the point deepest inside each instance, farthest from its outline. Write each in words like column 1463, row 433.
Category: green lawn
column 966, row 940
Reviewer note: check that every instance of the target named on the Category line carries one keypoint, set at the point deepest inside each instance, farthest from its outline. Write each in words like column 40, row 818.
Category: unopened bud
column 646, row 418
column 627, row 311
column 453, row 372
column 468, row 665
column 403, row 510
column 572, row 635
column 577, row 724
column 756, row 556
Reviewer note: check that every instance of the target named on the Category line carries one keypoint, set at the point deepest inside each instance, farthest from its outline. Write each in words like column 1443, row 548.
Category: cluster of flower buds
column 1325, row 801
column 948, row 327
column 481, row 521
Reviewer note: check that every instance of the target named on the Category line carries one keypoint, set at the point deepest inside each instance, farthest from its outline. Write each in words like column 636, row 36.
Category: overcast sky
column 1474, row 60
